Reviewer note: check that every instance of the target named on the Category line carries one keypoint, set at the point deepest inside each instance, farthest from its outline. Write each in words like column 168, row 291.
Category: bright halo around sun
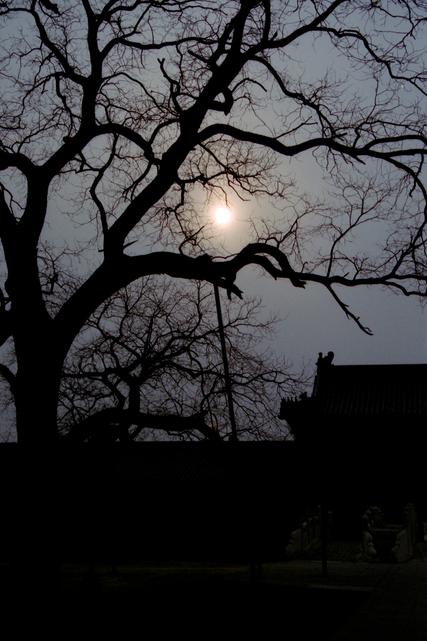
column 223, row 216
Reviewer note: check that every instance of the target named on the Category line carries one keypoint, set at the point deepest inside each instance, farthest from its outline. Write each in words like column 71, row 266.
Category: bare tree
column 149, row 361
column 118, row 115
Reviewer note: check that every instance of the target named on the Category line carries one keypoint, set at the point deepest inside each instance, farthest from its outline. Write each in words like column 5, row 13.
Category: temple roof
column 362, row 391
column 372, row 390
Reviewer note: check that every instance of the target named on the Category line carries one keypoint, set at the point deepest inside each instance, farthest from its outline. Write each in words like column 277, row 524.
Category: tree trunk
column 36, row 392
column 36, row 408
column 36, row 549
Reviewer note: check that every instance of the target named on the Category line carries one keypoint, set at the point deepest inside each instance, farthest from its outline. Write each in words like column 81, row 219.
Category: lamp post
column 227, row 379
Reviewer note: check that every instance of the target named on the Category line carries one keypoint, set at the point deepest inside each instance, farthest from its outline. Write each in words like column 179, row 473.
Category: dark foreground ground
column 358, row 600
column 221, row 601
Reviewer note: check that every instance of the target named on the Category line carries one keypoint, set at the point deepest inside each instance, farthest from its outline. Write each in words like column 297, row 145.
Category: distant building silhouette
column 365, row 404
column 364, row 431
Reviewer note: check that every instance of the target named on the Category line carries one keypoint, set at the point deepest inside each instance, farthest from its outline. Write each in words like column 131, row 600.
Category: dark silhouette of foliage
column 149, row 362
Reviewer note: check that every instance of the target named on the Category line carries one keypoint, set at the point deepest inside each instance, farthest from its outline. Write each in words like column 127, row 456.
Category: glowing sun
column 223, row 215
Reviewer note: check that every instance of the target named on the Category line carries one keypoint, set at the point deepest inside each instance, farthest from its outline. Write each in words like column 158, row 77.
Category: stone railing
column 305, row 538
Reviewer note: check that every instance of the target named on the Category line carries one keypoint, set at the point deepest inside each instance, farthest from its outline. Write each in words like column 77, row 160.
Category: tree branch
column 105, row 425
column 9, row 377
column 112, row 276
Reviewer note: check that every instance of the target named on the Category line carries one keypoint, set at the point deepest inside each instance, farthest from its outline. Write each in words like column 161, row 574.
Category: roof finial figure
column 325, row 361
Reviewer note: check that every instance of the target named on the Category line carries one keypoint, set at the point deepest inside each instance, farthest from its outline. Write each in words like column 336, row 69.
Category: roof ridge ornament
column 325, row 361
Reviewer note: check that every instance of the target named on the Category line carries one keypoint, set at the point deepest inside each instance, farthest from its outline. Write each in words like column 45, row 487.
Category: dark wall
column 176, row 500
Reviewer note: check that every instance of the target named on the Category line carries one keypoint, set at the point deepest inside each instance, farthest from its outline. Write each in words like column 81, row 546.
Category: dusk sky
column 313, row 322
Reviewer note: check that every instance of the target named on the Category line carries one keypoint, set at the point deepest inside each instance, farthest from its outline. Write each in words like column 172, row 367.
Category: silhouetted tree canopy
column 119, row 118
column 149, row 363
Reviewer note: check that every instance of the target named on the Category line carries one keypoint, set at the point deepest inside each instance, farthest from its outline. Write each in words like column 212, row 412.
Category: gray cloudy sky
column 313, row 322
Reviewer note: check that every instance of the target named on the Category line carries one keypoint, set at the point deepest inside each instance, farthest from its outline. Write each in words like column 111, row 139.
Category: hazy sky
column 313, row 322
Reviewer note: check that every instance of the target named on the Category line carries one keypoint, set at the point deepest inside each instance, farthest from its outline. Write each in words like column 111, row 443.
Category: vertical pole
column 324, row 536
column 227, row 379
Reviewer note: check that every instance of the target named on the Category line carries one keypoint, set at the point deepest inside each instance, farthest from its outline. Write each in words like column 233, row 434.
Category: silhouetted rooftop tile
column 361, row 392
